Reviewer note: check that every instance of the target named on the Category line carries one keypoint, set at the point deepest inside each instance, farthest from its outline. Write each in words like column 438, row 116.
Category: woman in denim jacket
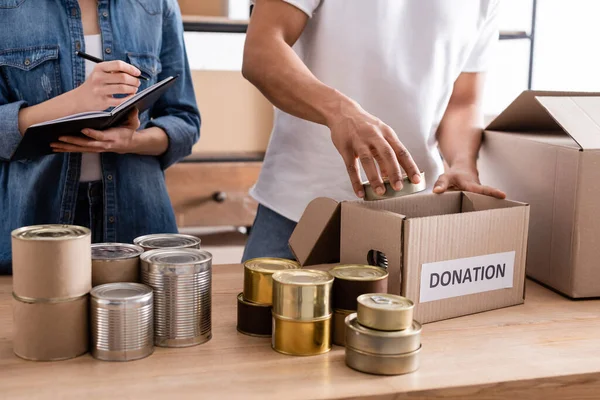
column 113, row 181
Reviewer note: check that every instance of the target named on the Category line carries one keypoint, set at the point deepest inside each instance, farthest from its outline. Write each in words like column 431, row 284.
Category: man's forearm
column 459, row 135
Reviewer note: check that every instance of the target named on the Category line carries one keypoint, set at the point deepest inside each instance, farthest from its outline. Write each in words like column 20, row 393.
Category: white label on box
column 453, row 278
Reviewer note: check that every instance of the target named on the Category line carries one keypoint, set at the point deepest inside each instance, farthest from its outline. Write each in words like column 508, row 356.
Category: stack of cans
column 350, row 282
column 255, row 302
column 382, row 338
column 302, row 312
column 167, row 241
column 115, row 262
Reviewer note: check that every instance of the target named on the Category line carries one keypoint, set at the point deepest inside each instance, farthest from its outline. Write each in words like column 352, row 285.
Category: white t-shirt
column 91, row 167
column 398, row 59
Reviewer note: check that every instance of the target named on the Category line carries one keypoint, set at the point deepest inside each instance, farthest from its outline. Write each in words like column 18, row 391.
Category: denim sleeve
column 10, row 137
column 176, row 112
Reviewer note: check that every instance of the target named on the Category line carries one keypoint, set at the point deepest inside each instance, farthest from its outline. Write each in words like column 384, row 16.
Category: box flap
column 316, row 239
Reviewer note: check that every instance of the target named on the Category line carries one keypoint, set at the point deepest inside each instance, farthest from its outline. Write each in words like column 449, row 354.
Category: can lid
column 115, row 251
column 270, row 265
column 385, row 301
column 358, row 273
column 352, row 323
column 176, row 257
column 166, row 241
column 121, row 292
column 303, row 277
column 50, row 232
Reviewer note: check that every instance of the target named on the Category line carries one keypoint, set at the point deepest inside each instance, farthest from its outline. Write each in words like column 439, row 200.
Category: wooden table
column 547, row 348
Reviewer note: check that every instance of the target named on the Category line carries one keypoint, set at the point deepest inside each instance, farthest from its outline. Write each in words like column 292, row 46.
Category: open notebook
column 37, row 139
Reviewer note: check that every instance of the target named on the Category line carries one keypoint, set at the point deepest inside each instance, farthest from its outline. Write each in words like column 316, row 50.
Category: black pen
column 97, row 61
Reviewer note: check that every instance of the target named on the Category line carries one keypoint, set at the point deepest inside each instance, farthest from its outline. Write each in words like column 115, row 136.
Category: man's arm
column 459, row 137
column 276, row 70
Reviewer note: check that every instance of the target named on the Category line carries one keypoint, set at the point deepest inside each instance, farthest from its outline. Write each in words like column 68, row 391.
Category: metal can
column 115, row 262
column 50, row 330
column 122, row 321
column 181, row 280
column 381, row 342
column 258, row 282
column 397, row 364
column 407, row 188
column 253, row 319
column 51, row 262
column 352, row 281
column 338, row 326
column 302, row 295
column 167, row 241
column 385, row 312
column 301, row 338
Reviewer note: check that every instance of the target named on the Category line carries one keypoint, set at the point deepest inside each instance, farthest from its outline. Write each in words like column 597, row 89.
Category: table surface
column 547, row 348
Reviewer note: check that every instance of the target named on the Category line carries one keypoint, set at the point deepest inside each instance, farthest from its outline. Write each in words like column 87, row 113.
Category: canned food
column 181, row 280
column 381, row 342
column 253, row 319
column 338, row 326
column 51, row 261
column 301, row 338
column 407, row 188
column 50, row 330
column 302, row 294
column 353, row 280
column 167, row 241
column 115, row 262
column 122, row 321
column 397, row 364
column 385, row 312
column 258, row 282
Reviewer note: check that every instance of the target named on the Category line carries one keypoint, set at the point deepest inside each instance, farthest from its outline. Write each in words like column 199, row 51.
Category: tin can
column 301, row 338
column 167, row 241
column 381, row 342
column 338, row 326
column 382, row 364
column 253, row 319
column 352, row 281
column 122, row 321
column 407, row 188
column 181, row 280
column 51, row 261
column 385, row 312
column 115, row 262
column 258, row 274
column 302, row 294
column 50, row 330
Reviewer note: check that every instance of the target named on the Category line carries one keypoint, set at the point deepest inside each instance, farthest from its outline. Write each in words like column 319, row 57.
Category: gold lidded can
column 377, row 364
column 407, row 188
column 301, row 338
column 373, row 341
column 258, row 282
column 115, row 262
column 352, row 281
column 167, row 241
column 385, row 312
column 302, row 295
column 338, row 326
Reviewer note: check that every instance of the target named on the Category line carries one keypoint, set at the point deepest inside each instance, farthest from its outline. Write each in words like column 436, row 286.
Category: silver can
column 181, row 280
column 122, row 321
column 167, row 241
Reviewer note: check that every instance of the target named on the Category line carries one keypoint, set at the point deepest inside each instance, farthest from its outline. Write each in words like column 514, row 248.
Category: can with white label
column 167, row 241
column 115, row 262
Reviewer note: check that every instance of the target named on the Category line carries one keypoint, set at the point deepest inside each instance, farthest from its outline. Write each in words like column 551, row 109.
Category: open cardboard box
column 544, row 149
column 430, row 242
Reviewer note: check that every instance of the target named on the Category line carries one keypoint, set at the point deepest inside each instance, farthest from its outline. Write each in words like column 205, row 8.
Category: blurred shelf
column 514, row 35
column 223, row 157
column 198, row 23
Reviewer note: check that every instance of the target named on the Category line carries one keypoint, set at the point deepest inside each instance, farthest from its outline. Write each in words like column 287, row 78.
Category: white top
column 91, row 168
column 398, row 59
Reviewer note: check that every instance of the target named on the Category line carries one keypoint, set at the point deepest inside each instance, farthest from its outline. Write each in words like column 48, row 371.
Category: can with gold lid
column 167, row 241
column 301, row 338
column 253, row 319
column 51, row 261
column 302, row 294
column 385, row 312
column 338, row 326
column 373, row 341
column 258, row 282
column 115, row 262
column 378, row 364
column 352, row 281
column 407, row 188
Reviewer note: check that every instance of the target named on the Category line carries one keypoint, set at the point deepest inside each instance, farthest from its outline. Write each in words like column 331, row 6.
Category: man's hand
column 467, row 179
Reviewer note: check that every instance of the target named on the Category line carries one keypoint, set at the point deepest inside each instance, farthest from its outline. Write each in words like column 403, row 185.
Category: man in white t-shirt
column 378, row 86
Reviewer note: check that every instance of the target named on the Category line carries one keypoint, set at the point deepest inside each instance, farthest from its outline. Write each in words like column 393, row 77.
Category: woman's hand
column 107, row 79
column 115, row 140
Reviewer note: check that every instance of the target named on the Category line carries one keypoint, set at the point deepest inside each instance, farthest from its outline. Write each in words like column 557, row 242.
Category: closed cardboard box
column 213, row 8
column 544, row 149
column 453, row 254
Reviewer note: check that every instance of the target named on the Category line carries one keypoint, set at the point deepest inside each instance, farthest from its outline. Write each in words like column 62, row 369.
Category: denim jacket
column 38, row 41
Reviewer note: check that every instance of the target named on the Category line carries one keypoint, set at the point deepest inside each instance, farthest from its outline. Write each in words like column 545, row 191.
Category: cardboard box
column 435, row 245
column 213, row 8
column 544, row 150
